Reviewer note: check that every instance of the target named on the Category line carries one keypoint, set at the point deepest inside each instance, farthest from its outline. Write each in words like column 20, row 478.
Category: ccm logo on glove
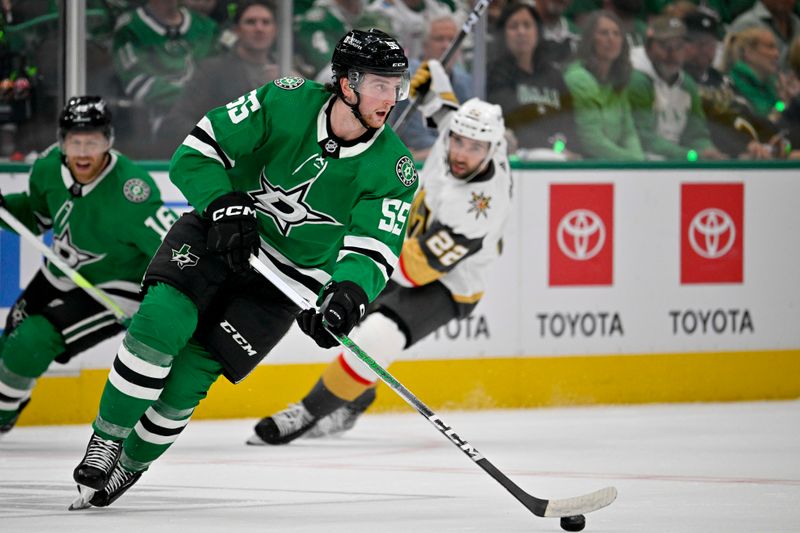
column 232, row 211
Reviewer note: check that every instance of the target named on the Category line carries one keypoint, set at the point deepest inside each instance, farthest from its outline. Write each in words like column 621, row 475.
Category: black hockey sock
column 320, row 401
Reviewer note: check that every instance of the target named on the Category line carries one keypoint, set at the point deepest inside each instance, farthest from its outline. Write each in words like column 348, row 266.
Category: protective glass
column 385, row 87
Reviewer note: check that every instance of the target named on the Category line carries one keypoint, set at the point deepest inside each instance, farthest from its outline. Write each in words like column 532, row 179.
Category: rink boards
column 624, row 284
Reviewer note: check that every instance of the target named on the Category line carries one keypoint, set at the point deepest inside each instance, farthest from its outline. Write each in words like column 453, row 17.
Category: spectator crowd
column 618, row 80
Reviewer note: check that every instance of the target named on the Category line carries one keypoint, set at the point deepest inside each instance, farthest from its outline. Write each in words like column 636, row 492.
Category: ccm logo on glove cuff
column 233, row 211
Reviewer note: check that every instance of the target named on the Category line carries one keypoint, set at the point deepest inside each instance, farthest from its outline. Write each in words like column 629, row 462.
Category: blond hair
column 736, row 43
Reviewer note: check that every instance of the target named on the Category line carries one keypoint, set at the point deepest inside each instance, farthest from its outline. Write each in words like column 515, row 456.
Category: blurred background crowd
column 614, row 80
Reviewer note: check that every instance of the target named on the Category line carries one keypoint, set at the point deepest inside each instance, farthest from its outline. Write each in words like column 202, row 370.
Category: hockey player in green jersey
column 311, row 179
column 107, row 220
column 455, row 228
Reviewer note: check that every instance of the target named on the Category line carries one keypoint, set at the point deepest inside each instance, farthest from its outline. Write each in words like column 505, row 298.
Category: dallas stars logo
column 73, row 256
column 184, row 257
column 479, row 204
column 288, row 208
column 18, row 313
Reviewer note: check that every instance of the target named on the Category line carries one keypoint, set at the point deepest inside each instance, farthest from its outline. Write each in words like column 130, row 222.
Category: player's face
column 86, row 154
column 378, row 97
column 465, row 156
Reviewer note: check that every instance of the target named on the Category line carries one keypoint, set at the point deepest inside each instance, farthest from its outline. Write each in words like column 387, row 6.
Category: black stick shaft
column 448, row 54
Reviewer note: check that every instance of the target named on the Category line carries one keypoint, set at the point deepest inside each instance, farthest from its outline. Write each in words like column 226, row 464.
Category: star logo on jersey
column 73, row 256
column 405, row 170
column 479, row 204
column 288, row 208
column 136, row 190
column 184, row 257
column 289, row 83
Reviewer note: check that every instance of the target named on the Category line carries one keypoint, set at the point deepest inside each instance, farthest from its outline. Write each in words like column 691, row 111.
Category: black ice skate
column 95, row 468
column 5, row 428
column 284, row 426
column 343, row 419
column 119, row 482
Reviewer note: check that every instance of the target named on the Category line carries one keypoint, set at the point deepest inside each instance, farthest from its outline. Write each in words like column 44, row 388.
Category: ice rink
column 732, row 468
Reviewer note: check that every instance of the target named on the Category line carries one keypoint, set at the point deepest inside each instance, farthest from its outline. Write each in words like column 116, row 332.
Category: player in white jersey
column 454, row 232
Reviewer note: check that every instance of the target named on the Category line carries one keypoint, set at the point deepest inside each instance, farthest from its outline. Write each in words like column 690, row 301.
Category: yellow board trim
column 476, row 384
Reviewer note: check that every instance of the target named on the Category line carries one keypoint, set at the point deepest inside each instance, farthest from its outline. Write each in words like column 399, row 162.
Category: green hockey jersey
column 154, row 61
column 327, row 208
column 106, row 230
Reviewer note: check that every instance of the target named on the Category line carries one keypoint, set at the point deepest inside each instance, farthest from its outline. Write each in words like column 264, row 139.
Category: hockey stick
column 546, row 508
column 466, row 29
column 96, row 293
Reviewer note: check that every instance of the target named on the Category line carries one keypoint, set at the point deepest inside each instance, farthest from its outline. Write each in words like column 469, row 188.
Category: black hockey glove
column 234, row 229
column 343, row 307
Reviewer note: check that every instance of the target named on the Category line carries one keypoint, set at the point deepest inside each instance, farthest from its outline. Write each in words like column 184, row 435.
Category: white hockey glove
column 431, row 86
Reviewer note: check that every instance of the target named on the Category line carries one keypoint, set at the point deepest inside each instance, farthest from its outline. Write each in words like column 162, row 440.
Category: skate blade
column 255, row 440
column 82, row 501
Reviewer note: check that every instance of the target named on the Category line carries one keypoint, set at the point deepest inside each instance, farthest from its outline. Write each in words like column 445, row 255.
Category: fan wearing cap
column 308, row 177
column 454, row 234
column 735, row 129
column 107, row 220
column 665, row 101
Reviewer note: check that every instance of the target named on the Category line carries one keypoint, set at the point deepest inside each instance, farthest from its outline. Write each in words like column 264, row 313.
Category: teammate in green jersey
column 107, row 220
column 311, row 179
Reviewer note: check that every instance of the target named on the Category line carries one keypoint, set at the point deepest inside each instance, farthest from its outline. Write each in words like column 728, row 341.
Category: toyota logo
column 581, row 234
column 712, row 233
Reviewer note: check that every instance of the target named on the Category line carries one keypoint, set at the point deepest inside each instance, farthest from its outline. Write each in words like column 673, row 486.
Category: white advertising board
column 596, row 262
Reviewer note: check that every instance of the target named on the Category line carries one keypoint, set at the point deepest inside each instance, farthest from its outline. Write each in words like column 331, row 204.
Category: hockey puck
column 573, row 523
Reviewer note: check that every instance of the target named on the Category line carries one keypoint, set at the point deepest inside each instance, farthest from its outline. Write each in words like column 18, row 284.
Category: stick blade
column 581, row 504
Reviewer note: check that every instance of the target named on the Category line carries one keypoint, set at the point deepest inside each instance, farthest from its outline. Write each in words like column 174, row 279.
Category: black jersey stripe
column 128, row 295
column 131, row 376
column 374, row 255
column 154, row 428
column 10, row 399
column 307, row 281
column 200, row 134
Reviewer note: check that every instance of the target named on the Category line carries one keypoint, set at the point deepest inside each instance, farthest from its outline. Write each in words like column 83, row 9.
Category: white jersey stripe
column 205, row 125
column 129, row 389
column 87, row 331
column 380, row 266
column 159, row 420
column 140, row 366
column 85, row 321
column 193, row 142
column 153, row 438
column 7, row 390
column 371, row 243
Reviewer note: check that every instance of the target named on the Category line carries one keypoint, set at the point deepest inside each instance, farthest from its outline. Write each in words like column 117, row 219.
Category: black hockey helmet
column 369, row 51
column 85, row 113
column 360, row 52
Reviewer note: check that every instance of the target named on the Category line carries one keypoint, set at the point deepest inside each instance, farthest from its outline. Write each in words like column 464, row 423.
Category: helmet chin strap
column 354, row 108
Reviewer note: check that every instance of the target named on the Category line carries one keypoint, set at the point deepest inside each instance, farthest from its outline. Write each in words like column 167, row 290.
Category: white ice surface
column 732, row 468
